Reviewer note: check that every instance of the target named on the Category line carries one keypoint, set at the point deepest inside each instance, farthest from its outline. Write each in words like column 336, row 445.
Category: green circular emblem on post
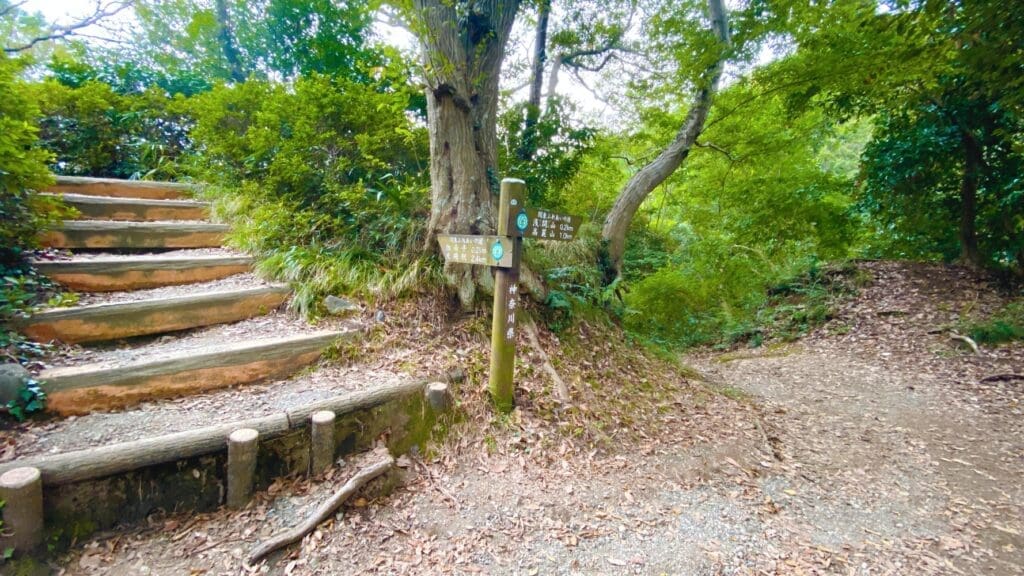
column 497, row 251
column 522, row 220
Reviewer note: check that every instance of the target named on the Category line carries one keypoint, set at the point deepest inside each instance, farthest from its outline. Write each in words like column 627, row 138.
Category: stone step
column 121, row 188
column 112, row 274
column 134, row 235
column 102, row 322
column 99, row 387
column 134, row 209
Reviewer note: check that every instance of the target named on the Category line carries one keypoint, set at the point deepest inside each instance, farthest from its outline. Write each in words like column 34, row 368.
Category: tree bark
column 462, row 57
column 528, row 146
column 616, row 224
column 227, row 42
column 969, row 199
column 556, row 69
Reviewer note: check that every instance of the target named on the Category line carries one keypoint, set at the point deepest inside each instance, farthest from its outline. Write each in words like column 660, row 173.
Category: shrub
column 23, row 215
column 22, row 168
column 324, row 181
column 717, row 291
column 92, row 130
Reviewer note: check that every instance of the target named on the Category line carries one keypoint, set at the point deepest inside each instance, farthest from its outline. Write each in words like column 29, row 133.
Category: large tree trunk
column 226, row 37
column 968, row 201
column 616, row 225
column 528, row 146
column 463, row 47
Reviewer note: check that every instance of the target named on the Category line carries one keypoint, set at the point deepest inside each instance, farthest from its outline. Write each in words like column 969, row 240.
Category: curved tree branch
column 101, row 12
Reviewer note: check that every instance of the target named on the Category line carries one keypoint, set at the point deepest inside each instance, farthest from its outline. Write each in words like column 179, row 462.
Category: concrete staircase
column 130, row 298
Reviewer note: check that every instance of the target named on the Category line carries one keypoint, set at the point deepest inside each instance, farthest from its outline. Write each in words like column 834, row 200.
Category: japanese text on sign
column 543, row 224
column 479, row 250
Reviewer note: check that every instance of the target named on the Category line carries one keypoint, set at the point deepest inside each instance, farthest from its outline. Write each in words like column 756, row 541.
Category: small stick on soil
column 433, row 482
column 561, row 390
column 1002, row 377
column 323, row 511
column 966, row 340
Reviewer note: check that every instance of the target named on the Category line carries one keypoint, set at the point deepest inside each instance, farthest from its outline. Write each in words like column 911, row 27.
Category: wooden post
column 437, row 396
column 21, row 489
column 243, row 445
column 322, row 441
column 506, row 299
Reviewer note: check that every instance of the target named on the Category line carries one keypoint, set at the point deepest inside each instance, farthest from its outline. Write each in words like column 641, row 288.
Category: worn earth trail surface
column 873, row 446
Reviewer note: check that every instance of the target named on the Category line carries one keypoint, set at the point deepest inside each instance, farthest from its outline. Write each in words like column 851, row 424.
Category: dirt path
column 889, row 436
column 871, row 447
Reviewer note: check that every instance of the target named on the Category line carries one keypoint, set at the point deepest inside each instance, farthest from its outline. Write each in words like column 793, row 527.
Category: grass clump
column 1006, row 325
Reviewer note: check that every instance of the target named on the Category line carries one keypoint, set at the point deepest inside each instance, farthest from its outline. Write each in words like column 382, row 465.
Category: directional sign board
column 543, row 224
column 515, row 222
column 480, row 250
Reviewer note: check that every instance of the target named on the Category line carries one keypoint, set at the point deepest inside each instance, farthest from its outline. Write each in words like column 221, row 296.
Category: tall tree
column 463, row 46
column 226, row 36
column 649, row 177
column 528, row 146
column 940, row 78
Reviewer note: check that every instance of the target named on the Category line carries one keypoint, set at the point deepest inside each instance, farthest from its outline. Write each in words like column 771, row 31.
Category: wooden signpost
column 503, row 251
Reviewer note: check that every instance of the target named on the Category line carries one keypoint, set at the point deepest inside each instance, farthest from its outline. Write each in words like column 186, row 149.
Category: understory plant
column 1006, row 325
column 324, row 182
column 23, row 214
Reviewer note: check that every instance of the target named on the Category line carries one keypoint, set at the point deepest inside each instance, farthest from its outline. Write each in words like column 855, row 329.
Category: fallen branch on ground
column 323, row 511
column 1002, row 377
column 966, row 340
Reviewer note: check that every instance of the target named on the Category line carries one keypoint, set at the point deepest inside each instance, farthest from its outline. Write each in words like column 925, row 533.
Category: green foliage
column 324, row 181
column 22, row 215
column 1006, row 325
column 727, row 294
column 93, row 130
column 766, row 198
column 31, row 399
column 271, row 38
column 914, row 173
column 556, row 149
column 940, row 78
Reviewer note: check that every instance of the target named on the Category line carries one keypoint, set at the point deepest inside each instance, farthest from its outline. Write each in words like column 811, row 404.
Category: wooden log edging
column 92, row 463
column 120, row 484
column 113, row 187
column 112, row 321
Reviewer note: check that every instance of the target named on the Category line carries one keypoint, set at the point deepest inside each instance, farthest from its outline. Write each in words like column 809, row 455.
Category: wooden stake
column 437, row 396
column 243, row 444
column 322, row 442
column 21, row 489
column 506, row 299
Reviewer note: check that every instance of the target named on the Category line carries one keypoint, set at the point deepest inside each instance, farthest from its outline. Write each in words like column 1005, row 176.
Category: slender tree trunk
column 968, row 201
column 528, row 146
column 616, row 225
column 556, row 69
column 227, row 42
column 462, row 62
